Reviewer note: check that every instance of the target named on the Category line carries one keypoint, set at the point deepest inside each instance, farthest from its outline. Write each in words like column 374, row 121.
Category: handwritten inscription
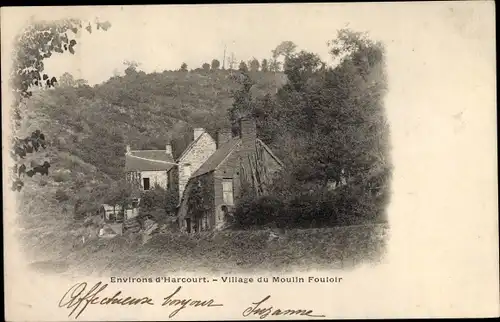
column 263, row 312
column 78, row 298
column 182, row 303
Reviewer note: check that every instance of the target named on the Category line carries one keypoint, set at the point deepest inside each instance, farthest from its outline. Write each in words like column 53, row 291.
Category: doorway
column 145, row 181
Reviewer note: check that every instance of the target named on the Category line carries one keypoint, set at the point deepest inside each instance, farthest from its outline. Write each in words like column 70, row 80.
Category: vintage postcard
column 250, row 161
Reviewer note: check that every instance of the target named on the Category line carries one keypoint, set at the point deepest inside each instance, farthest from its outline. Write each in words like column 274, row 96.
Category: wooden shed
column 111, row 213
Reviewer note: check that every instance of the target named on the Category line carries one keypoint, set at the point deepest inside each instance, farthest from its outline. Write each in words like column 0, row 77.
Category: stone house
column 196, row 153
column 146, row 168
column 149, row 167
column 215, row 187
column 209, row 173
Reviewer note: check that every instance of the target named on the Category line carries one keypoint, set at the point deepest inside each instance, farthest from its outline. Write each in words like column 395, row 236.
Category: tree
column 254, row 65
column 274, row 65
column 243, row 67
column 81, row 82
column 184, row 67
column 37, row 42
column 120, row 193
column 67, row 80
column 206, row 67
column 336, row 135
column 242, row 100
column 215, row 64
column 231, row 61
column 301, row 67
column 158, row 199
column 264, row 65
column 285, row 49
column 132, row 66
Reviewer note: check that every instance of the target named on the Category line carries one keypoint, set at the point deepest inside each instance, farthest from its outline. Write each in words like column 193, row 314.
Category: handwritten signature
column 263, row 312
column 77, row 298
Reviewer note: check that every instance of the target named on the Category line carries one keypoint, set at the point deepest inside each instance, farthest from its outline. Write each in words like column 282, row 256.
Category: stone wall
column 155, row 177
column 198, row 154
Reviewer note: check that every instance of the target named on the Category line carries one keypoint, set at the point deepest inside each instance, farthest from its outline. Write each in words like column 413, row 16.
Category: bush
column 257, row 212
column 61, row 195
column 60, row 176
column 159, row 198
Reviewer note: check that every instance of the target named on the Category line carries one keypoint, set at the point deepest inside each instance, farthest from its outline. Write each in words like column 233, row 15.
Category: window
column 206, row 225
column 145, row 182
column 187, row 170
column 227, row 191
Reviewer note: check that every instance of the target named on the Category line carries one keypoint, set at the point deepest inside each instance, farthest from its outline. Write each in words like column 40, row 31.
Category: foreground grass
column 53, row 243
column 231, row 251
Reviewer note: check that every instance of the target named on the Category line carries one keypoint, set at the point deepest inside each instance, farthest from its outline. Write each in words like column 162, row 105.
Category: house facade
column 147, row 168
column 213, row 190
column 208, row 178
column 197, row 152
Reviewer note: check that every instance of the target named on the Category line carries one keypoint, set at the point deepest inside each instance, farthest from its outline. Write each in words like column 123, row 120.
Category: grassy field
column 238, row 251
column 53, row 242
column 231, row 251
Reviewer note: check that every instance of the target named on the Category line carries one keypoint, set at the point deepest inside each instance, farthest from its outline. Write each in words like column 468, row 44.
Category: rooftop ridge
column 152, row 160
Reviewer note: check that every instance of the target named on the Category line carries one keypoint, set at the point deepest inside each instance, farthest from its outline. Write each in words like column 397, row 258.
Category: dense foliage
column 35, row 43
column 335, row 141
column 326, row 123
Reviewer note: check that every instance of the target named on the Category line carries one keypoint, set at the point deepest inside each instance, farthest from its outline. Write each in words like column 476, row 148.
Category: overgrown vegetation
column 158, row 204
column 326, row 123
column 335, row 142
column 35, row 43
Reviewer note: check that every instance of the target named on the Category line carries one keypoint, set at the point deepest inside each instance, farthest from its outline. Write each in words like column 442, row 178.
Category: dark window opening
column 146, row 183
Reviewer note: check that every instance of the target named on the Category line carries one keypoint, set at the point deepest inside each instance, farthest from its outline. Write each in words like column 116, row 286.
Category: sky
column 163, row 37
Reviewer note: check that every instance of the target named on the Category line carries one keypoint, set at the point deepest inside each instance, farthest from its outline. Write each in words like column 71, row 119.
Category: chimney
column 223, row 136
column 248, row 133
column 197, row 132
column 168, row 149
column 128, row 149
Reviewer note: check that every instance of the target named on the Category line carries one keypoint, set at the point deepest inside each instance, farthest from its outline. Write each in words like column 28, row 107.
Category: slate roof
column 148, row 160
column 220, row 154
column 217, row 157
column 270, row 152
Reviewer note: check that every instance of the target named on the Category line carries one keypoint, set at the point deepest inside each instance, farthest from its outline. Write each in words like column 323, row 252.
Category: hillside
column 93, row 124
column 326, row 123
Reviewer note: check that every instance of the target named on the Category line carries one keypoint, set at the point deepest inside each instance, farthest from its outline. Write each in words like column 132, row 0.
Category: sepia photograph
column 249, row 161
column 218, row 160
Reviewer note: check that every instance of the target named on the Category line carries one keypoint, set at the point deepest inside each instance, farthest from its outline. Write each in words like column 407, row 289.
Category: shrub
column 159, row 198
column 310, row 210
column 257, row 212
column 60, row 176
column 61, row 195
